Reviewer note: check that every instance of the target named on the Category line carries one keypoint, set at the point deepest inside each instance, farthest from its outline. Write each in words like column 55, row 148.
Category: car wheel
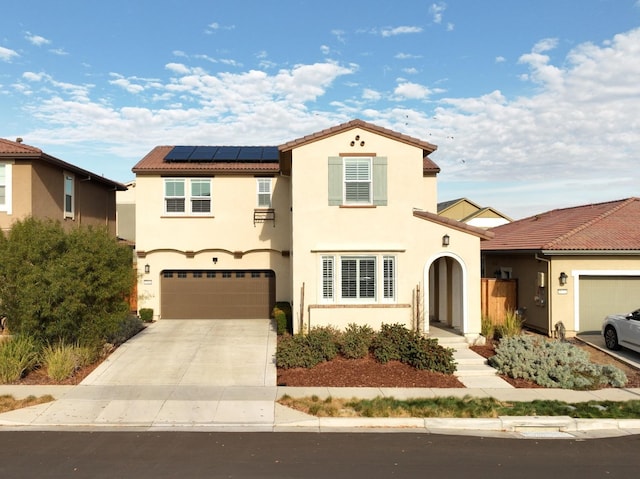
column 611, row 338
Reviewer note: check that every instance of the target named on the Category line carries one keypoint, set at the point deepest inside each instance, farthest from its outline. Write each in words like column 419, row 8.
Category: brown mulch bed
column 367, row 372
column 39, row 377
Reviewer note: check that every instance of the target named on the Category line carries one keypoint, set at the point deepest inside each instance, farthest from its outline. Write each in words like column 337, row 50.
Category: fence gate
column 498, row 297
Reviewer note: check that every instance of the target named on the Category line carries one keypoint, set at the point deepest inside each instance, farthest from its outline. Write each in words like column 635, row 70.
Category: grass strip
column 466, row 407
column 9, row 403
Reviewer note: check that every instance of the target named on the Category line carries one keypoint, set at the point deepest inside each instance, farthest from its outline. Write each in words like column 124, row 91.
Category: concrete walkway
column 220, row 376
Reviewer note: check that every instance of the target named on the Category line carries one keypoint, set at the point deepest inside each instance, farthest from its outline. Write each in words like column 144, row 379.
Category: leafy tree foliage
column 58, row 285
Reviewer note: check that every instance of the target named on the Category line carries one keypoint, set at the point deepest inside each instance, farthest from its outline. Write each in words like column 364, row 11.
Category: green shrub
column 17, row 356
column 553, row 364
column 127, row 328
column 392, row 343
column 146, row 315
column 282, row 314
column 487, row 327
column 511, row 326
column 60, row 361
column 57, row 284
column 426, row 353
column 356, row 341
column 295, row 352
column 325, row 340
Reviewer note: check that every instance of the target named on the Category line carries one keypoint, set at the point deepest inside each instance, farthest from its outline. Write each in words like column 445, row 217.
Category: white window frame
column 201, row 199
column 389, row 278
column 353, row 174
column 263, row 192
column 328, row 272
column 7, row 182
column 188, row 197
column 69, row 194
column 360, row 294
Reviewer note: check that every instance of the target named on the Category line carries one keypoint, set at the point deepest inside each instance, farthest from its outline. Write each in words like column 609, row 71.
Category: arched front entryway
column 445, row 292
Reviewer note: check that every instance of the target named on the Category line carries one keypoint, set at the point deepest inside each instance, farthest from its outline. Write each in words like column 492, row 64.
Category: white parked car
column 622, row 330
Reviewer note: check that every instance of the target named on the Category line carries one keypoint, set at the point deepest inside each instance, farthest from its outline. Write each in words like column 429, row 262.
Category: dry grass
column 9, row 403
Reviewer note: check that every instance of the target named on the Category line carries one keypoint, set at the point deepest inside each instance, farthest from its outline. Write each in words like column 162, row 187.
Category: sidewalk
column 237, row 408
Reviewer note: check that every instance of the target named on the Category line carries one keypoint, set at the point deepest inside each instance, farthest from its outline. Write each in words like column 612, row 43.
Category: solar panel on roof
column 250, row 153
column 270, row 153
column 203, row 153
column 227, row 153
column 179, row 153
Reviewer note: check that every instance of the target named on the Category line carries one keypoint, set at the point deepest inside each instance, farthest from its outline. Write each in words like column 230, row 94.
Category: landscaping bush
column 396, row 342
column 59, row 360
column 146, row 315
column 511, row 326
column 127, row 328
column 553, row 364
column 392, row 343
column 282, row 314
column 487, row 327
column 58, row 285
column 17, row 356
column 356, row 341
column 295, row 352
column 325, row 340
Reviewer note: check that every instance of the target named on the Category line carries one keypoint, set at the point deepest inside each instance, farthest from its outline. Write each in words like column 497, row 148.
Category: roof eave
column 454, row 224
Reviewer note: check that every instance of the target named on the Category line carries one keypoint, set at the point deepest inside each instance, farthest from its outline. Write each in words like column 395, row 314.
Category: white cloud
column 410, row 71
column 126, row 84
column 407, row 56
column 436, row 10
column 178, row 68
column 403, row 30
column 36, row 40
column 59, row 51
column 325, row 50
column 411, row 91
column 6, row 54
column 215, row 26
column 500, row 59
column 369, row 94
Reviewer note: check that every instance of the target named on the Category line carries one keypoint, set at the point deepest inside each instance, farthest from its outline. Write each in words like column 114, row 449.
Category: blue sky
column 533, row 104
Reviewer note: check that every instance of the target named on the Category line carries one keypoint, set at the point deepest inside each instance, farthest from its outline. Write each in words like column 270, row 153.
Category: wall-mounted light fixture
column 563, row 278
column 445, row 240
column 147, row 269
column 215, row 260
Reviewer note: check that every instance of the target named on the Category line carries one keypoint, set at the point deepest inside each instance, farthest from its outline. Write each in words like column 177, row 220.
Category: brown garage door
column 189, row 294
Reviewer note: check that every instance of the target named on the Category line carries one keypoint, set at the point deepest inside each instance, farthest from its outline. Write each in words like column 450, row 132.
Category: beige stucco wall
column 166, row 240
column 319, row 229
column 552, row 303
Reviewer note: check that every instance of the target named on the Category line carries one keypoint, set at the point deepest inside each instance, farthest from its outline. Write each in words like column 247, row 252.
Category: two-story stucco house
column 342, row 224
column 33, row 183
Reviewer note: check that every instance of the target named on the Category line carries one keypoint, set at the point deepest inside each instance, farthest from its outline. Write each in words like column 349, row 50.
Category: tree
column 57, row 285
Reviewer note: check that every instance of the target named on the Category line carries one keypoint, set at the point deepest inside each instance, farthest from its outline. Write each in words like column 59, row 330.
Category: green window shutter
column 335, row 181
column 380, row 181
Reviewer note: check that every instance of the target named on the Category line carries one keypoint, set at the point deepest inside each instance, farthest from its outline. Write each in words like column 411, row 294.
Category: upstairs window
column 69, row 200
column 357, row 181
column 201, row 196
column 5, row 187
column 187, row 196
column 263, row 186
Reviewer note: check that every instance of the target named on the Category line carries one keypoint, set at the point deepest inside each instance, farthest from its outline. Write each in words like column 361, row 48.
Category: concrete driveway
column 194, row 353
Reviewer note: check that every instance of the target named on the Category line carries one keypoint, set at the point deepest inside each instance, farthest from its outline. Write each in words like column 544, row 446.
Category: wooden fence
column 498, row 297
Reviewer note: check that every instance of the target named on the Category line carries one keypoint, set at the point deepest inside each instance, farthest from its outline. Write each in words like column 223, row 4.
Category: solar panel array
column 210, row 154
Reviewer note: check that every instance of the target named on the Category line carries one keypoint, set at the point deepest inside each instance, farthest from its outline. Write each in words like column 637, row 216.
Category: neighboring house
column 341, row 223
column 126, row 213
column 33, row 183
column 467, row 211
column 573, row 265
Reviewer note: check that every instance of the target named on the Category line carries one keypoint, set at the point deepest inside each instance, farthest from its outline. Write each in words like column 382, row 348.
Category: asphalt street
column 293, row 455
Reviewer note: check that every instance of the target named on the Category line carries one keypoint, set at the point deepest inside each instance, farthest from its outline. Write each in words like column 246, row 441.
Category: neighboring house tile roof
column 444, row 205
column 609, row 226
column 153, row 163
column 18, row 150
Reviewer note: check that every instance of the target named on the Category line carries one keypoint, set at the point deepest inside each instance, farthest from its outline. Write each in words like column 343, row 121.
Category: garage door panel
column 217, row 294
column 604, row 295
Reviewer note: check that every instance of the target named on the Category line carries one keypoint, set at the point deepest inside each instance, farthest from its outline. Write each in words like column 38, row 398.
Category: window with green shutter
column 357, row 181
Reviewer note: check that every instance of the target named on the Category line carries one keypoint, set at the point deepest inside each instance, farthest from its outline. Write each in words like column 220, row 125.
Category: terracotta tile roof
column 610, row 226
column 358, row 124
column 8, row 147
column 18, row 150
column 153, row 163
column 458, row 225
